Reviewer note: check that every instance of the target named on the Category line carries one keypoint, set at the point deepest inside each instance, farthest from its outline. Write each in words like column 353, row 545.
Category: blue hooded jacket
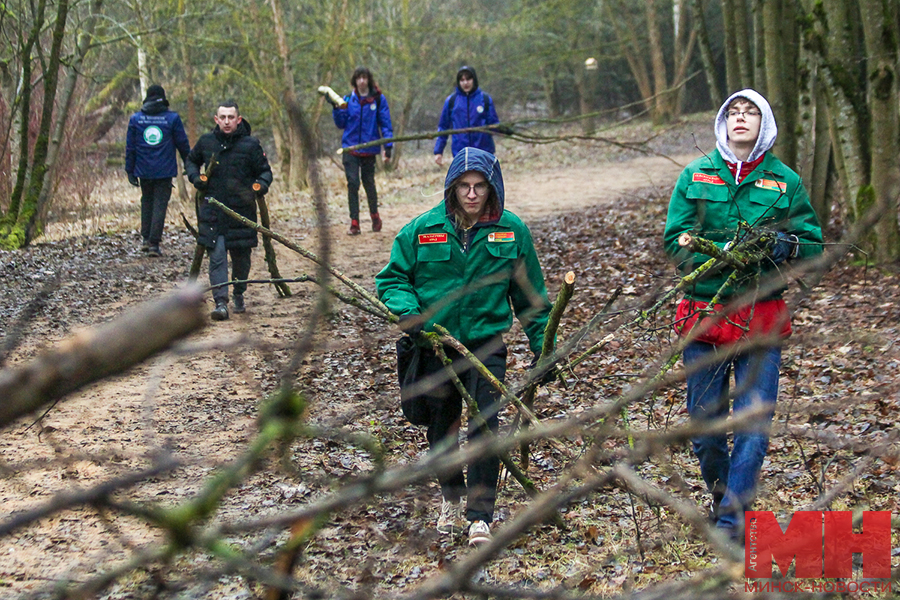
column 154, row 133
column 364, row 120
column 475, row 109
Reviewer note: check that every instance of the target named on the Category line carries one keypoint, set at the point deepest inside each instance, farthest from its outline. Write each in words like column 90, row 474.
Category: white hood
column 768, row 131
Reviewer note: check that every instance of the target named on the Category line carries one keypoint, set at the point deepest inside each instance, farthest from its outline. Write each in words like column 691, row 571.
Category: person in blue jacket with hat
column 154, row 134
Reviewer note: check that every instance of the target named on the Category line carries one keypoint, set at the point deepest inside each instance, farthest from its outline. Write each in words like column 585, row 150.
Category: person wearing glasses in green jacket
column 467, row 264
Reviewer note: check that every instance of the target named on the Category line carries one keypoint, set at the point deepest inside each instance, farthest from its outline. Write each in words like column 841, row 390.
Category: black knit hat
column 156, row 92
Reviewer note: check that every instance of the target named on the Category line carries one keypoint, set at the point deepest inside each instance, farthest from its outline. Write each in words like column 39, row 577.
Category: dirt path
column 202, row 406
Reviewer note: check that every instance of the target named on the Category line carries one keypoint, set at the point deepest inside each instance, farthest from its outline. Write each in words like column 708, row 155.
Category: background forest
column 70, row 70
column 146, row 457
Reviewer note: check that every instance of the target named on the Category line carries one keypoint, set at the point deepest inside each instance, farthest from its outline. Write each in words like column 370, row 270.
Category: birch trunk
column 879, row 22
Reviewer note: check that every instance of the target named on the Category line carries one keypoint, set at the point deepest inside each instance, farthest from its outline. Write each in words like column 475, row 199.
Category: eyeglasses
column 481, row 188
column 743, row 113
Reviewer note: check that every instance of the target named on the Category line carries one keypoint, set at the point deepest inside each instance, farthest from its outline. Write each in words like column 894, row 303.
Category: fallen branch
column 94, row 354
column 549, row 345
column 283, row 290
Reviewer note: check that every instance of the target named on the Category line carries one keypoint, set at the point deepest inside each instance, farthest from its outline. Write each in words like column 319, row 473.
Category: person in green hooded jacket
column 468, row 265
column 727, row 197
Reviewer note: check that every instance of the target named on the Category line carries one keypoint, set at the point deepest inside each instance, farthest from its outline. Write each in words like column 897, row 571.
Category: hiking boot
column 376, row 222
column 354, row 227
column 479, row 533
column 154, row 251
column 238, row 301
column 145, row 246
column 220, row 313
column 451, row 517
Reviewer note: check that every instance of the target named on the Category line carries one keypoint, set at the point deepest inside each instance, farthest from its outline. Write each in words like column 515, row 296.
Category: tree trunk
column 7, row 240
column 814, row 148
column 879, row 22
column 743, row 39
column 297, row 178
column 733, row 76
column 706, row 55
column 833, row 39
column 781, row 70
column 65, row 106
column 27, row 223
column 662, row 105
column 759, row 47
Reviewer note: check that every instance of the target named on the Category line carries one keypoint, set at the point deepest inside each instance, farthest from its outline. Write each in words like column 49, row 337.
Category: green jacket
column 707, row 203
column 469, row 286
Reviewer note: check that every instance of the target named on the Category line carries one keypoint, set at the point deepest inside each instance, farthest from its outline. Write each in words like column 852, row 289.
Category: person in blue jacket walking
column 366, row 118
column 467, row 106
column 154, row 134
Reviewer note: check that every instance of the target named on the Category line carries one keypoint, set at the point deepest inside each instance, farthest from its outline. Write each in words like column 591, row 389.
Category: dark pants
column 354, row 166
column 218, row 269
column 731, row 477
column 155, row 194
column 446, row 404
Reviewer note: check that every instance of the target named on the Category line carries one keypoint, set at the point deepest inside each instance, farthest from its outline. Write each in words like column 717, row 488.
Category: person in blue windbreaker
column 154, row 134
column 366, row 118
column 467, row 106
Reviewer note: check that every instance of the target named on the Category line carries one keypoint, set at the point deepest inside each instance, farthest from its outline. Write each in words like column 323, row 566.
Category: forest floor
column 596, row 210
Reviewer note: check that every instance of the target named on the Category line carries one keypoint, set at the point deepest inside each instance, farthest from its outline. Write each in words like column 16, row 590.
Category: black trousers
column 445, row 402
column 155, row 195
column 218, row 269
column 354, row 167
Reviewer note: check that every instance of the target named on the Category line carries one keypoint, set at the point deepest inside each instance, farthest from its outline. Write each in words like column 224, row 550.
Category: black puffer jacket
column 238, row 162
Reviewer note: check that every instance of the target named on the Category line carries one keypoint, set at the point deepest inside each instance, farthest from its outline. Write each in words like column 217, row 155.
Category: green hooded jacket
column 468, row 282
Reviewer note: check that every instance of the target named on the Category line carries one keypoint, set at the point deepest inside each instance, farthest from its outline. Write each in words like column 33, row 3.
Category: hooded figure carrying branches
column 743, row 198
column 466, row 265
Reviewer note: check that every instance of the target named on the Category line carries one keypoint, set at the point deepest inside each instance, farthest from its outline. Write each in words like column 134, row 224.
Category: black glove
column 261, row 188
column 549, row 376
column 199, row 181
column 411, row 325
column 388, row 150
column 784, row 248
column 134, row 180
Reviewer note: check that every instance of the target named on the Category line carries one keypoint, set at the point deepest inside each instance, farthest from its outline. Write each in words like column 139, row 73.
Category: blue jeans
column 731, row 477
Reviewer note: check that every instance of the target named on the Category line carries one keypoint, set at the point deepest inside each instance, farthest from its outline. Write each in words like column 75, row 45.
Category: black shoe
column 145, row 246
column 220, row 313
column 238, row 301
column 154, row 251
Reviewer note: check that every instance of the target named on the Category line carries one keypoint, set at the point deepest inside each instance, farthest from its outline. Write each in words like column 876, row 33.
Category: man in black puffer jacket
column 236, row 171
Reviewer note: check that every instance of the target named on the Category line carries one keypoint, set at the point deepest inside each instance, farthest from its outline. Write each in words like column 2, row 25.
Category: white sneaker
column 451, row 517
column 479, row 533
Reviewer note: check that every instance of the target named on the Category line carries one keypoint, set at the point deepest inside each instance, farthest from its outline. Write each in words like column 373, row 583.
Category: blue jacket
column 154, row 133
column 468, row 111
column 364, row 120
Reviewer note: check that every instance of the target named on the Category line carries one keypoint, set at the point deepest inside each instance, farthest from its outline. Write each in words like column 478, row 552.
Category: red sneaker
column 354, row 227
column 376, row 222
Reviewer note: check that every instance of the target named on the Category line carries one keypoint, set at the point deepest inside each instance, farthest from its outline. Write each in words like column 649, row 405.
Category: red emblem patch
column 704, row 178
column 432, row 238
